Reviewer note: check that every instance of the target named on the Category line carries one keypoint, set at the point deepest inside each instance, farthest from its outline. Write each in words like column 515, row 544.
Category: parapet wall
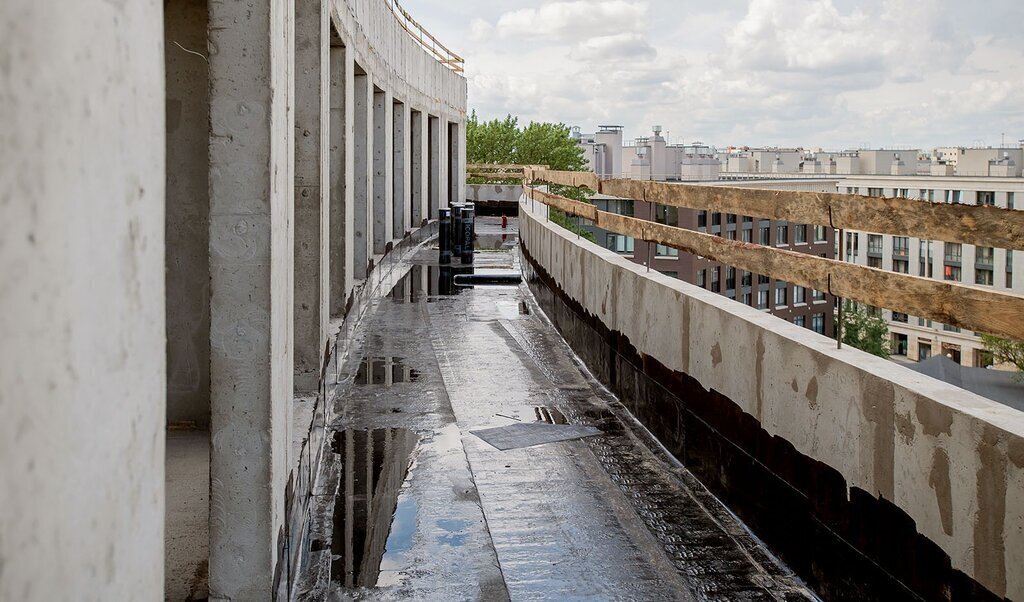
column 867, row 478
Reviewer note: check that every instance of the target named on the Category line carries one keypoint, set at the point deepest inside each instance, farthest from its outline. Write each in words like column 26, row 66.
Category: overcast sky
column 831, row 73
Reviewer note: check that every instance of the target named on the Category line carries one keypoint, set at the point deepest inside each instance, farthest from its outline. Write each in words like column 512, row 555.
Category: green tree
column 864, row 329
column 1005, row 351
column 504, row 142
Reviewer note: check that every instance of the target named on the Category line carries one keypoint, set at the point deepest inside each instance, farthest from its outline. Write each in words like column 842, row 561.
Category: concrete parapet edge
column 950, row 461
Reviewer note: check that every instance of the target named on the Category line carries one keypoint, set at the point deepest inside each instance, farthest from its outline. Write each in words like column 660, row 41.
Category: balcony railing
column 425, row 39
column 970, row 307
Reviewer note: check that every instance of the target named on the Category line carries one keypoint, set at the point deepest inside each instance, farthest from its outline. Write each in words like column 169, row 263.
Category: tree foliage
column 1005, row 351
column 864, row 330
column 502, row 141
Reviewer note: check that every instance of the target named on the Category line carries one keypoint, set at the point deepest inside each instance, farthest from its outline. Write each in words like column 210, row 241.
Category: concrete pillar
column 187, row 224
column 362, row 183
column 417, row 169
column 434, row 171
column 251, row 259
column 82, row 376
column 340, row 173
column 312, row 189
column 454, row 171
column 382, row 192
column 400, row 170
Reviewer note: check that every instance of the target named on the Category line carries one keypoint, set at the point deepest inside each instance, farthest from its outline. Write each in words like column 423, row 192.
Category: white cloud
column 574, row 20
column 832, row 73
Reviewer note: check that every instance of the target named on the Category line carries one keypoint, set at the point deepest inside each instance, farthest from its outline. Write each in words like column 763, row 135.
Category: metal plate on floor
column 528, row 434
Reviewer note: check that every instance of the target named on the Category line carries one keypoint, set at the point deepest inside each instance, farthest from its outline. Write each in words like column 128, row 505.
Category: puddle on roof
column 427, row 282
column 373, row 524
column 387, row 371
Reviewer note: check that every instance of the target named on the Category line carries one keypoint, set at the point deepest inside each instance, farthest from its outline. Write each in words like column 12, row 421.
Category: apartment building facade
column 915, row 338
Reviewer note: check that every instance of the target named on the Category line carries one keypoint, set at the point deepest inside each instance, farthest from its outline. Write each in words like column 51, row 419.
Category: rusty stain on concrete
column 989, row 546
column 812, row 393
column 935, row 418
column 938, row 479
column 905, row 427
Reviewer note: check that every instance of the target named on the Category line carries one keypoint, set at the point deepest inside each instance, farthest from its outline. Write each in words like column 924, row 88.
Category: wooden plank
column 482, row 166
column 495, row 176
column 973, row 308
column 569, row 206
column 564, row 178
column 984, row 226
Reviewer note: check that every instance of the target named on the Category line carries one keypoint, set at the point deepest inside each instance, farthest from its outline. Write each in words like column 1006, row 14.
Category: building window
column 984, row 256
column 954, row 196
column 716, row 273
column 817, row 296
column 746, row 299
column 818, row 323
column 730, row 278
column 716, row 219
column 1009, row 269
column 899, row 317
column 874, row 192
column 931, row 195
column 983, row 277
column 781, row 235
column 746, row 234
column 762, row 279
column 762, row 299
column 702, row 278
column 1009, row 200
column 900, row 246
column 730, row 218
column 874, row 244
column 780, row 296
column 702, row 219
column 800, row 321
column 663, row 251
column 664, row 214
column 986, row 198
column 764, row 234
column 952, row 272
column 922, row 194
column 670, row 273
column 819, row 234
column 800, row 234
column 924, row 351
column 730, row 234
column 852, row 244
column 900, row 344
column 983, row 358
column 902, row 193
column 875, row 262
column 901, row 266
column 925, row 258
column 953, row 252
column 799, row 295
column 620, row 243
column 746, row 279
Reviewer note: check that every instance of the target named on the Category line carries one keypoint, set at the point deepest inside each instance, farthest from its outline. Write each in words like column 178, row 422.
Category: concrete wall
column 82, row 364
column 906, row 468
column 505, row 193
column 188, row 214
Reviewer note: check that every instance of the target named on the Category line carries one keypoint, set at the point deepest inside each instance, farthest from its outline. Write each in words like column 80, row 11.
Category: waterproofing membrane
column 528, row 434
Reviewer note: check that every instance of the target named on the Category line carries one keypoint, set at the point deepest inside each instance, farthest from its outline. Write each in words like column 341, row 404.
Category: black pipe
column 468, row 226
column 444, row 235
column 456, row 231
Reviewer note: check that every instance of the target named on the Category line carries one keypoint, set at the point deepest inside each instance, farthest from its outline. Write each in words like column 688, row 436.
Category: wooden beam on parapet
column 973, row 308
column 982, row 226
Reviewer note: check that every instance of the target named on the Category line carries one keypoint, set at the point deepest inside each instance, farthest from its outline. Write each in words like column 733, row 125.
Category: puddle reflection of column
column 375, row 465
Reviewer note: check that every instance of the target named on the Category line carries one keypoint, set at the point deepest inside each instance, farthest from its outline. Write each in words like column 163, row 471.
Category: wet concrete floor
column 418, row 507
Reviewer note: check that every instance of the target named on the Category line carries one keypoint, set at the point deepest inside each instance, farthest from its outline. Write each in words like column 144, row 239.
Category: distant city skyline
column 830, row 73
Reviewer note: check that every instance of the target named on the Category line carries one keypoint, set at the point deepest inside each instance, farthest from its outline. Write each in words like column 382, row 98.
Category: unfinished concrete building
column 226, row 176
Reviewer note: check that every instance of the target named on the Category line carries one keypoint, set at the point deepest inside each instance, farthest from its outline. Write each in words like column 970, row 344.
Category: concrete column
column 187, row 224
column 82, row 376
column 362, row 183
column 340, row 174
column 312, row 189
column 417, row 171
column 251, row 259
column 434, row 171
column 382, row 191
column 400, row 170
column 442, row 163
column 454, row 170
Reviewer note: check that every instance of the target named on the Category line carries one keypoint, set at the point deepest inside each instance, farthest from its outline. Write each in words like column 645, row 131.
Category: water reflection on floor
column 385, row 371
column 371, row 526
